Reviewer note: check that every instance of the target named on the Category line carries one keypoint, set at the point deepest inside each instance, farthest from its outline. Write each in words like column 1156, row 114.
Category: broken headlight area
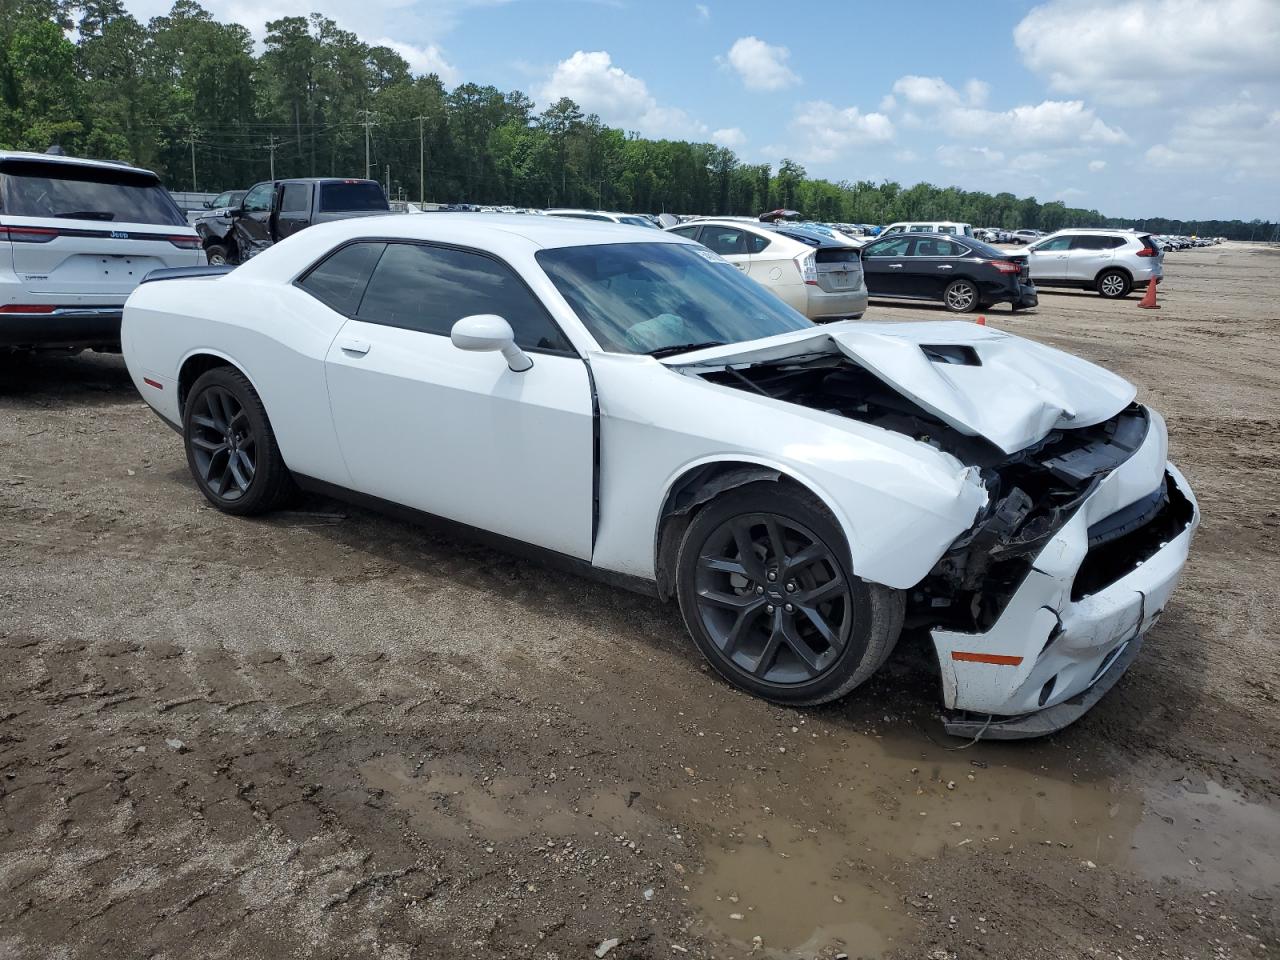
column 1032, row 496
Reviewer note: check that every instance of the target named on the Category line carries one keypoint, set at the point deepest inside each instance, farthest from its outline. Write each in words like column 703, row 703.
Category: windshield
column 653, row 297
column 35, row 188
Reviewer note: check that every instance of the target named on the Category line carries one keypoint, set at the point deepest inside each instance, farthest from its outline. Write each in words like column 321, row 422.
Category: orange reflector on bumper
column 996, row 658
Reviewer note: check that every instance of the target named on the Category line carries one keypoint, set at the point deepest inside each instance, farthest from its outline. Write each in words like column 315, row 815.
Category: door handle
column 945, row 266
column 895, row 266
column 353, row 346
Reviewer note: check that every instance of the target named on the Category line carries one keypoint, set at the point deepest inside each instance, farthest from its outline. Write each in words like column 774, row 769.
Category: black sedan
column 964, row 273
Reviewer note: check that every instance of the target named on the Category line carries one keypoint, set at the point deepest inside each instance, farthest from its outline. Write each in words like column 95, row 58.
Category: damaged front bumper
column 1076, row 621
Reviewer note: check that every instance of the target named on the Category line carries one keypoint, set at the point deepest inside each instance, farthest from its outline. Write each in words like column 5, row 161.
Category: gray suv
column 1112, row 262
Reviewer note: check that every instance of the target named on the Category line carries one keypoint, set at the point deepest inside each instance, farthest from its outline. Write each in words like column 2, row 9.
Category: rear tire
column 231, row 448
column 1114, row 284
column 961, row 296
column 839, row 630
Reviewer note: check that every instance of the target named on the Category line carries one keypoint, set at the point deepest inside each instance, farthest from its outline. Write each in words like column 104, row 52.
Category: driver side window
column 429, row 289
column 1056, row 244
column 258, row 199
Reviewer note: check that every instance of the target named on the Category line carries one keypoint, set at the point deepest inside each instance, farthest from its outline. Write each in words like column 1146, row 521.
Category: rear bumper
column 64, row 327
column 836, row 306
column 1056, row 649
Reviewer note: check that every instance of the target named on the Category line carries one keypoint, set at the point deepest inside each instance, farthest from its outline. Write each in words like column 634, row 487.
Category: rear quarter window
column 355, row 195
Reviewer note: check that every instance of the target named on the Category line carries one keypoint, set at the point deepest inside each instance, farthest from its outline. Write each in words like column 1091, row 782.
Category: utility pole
column 422, row 163
column 192, row 138
column 386, row 191
column 367, row 124
column 272, row 148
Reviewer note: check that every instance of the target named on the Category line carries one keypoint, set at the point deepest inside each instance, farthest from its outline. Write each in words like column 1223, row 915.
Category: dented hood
column 989, row 384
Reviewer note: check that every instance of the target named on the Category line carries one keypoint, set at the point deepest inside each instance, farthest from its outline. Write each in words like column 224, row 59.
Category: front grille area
column 1112, row 557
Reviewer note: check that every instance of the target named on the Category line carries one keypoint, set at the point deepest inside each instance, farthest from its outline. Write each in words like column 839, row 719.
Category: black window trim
column 572, row 351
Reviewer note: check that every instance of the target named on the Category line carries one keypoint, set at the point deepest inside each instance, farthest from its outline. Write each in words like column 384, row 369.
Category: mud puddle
column 805, row 863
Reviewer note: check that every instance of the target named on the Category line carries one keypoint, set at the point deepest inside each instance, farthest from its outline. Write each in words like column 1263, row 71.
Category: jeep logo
column 119, row 235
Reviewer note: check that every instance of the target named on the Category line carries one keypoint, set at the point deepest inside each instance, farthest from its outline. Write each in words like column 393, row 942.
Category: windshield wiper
column 86, row 215
column 660, row 352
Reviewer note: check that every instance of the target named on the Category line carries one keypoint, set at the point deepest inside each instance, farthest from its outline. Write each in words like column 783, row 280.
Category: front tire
column 219, row 255
column 1114, row 284
column 961, row 296
column 767, row 593
column 231, row 448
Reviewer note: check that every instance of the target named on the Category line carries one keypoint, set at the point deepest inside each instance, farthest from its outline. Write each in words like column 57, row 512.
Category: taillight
column 1006, row 266
column 1148, row 252
column 27, row 234
column 185, row 243
column 807, row 264
column 27, row 308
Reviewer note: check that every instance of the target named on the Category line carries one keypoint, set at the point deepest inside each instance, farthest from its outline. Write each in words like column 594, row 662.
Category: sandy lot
column 327, row 734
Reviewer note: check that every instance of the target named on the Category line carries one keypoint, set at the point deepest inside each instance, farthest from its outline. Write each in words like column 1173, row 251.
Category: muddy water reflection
column 803, row 863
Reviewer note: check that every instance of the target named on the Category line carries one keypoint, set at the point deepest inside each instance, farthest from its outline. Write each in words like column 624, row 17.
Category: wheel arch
column 1113, row 268
column 700, row 483
column 200, row 361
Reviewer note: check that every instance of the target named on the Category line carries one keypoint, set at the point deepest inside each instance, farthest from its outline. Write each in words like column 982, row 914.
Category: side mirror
column 208, row 204
column 484, row 332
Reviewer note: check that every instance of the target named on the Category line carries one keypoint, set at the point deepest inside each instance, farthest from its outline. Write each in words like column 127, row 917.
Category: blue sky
column 1135, row 107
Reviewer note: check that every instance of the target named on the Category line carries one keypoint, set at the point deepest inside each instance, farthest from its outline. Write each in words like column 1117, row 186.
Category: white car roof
column 1110, row 231
column 502, row 234
column 71, row 161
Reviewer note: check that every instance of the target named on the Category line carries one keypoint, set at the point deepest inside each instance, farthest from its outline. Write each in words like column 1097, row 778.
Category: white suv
column 1112, row 262
column 76, row 236
column 816, row 274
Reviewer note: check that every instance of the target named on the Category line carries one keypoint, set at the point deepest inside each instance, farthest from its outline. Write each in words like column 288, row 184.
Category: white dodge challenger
column 629, row 403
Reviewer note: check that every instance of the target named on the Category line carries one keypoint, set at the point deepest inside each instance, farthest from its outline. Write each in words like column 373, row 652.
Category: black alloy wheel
column 223, row 444
column 773, row 598
column 765, row 587
column 231, row 448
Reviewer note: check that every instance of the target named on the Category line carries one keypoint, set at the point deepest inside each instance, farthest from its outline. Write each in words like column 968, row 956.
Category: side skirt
column 463, row 531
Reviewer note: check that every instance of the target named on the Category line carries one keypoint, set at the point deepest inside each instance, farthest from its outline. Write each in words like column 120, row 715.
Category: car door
column 932, row 266
column 884, row 265
column 251, row 222
column 459, row 434
column 1049, row 260
column 730, row 242
column 1089, row 254
column 295, row 209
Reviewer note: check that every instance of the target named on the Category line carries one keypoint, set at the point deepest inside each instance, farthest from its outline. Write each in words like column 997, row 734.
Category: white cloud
column 703, row 12
column 1097, row 166
column 976, row 91
column 729, row 137
column 761, row 66
column 1239, row 139
column 1049, row 122
column 423, row 60
column 592, row 81
column 827, row 131
column 1143, row 51
column 969, row 158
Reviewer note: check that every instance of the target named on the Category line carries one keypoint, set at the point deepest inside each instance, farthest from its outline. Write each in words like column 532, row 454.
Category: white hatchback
column 76, row 236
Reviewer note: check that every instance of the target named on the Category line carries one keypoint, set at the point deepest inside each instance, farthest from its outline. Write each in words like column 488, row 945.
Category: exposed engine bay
column 1032, row 493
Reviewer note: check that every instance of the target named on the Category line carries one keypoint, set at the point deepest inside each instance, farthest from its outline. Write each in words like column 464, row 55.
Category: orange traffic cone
column 981, row 321
column 1149, row 299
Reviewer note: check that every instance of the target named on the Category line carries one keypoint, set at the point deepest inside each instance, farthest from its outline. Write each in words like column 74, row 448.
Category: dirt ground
column 328, row 734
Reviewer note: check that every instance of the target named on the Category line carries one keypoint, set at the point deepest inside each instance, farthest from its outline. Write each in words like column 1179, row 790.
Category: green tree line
column 189, row 97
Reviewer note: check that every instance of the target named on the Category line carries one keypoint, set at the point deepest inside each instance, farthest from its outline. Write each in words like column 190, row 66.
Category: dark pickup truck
column 275, row 209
